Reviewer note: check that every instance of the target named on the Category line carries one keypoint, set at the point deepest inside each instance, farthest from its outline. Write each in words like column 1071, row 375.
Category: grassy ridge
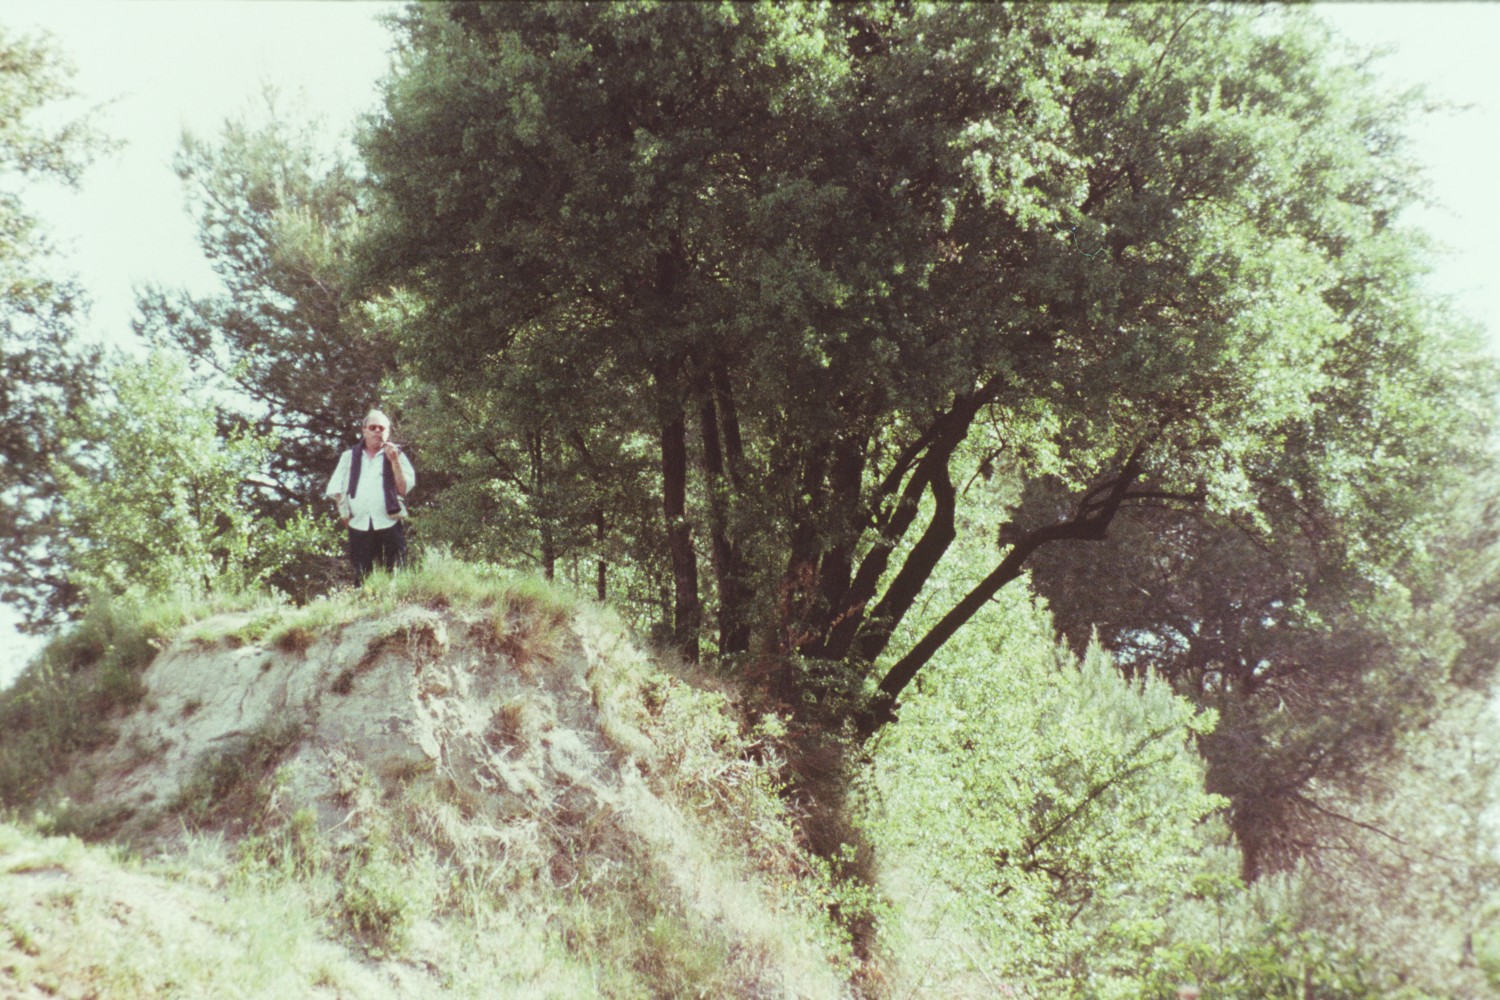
column 683, row 874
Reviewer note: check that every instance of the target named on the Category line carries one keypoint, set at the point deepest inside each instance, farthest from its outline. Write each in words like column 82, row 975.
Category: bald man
column 370, row 486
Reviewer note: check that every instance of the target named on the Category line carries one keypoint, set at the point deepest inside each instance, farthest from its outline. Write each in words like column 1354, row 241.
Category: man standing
column 369, row 485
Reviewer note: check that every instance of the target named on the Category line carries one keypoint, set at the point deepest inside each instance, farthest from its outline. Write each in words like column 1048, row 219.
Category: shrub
column 374, row 896
column 1026, row 798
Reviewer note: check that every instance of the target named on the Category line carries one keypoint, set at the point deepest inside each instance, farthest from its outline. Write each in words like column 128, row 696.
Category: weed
column 293, row 848
column 405, row 772
column 21, row 937
column 228, row 787
column 86, row 821
column 524, row 632
column 679, row 958
column 694, row 883
column 65, row 701
column 375, row 897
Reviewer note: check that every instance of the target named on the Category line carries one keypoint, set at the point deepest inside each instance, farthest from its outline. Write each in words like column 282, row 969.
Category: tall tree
column 1314, row 672
column 846, row 253
column 43, row 372
column 291, row 350
column 528, row 486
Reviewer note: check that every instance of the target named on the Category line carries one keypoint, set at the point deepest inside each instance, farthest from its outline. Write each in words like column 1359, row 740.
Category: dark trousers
column 388, row 545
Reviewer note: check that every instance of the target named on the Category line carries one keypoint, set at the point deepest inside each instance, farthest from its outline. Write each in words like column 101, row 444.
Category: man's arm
column 338, row 483
column 406, row 477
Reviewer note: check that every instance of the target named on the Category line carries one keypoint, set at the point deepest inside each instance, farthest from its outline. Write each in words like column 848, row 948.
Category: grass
column 523, row 613
column 679, row 874
column 228, row 787
column 63, row 703
column 89, row 923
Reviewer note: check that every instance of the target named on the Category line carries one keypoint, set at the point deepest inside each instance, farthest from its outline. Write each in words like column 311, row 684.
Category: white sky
column 1450, row 49
column 160, row 67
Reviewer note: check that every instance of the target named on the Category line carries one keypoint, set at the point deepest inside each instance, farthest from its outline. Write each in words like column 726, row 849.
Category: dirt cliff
column 501, row 792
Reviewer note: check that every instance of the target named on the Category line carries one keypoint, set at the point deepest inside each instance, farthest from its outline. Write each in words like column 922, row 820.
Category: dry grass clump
column 229, row 789
column 519, row 724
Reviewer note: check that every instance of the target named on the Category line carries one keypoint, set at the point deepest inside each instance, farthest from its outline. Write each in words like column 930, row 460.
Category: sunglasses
column 374, row 427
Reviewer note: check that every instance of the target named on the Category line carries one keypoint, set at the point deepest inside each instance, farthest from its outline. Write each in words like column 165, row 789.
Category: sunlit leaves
column 151, row 496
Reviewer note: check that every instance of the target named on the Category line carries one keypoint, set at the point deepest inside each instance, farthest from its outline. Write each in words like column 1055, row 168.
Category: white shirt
column 367, row 506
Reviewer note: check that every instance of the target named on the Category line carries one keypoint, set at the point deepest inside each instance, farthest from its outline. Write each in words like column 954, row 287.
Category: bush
column 1025, row 799
column 374, row 896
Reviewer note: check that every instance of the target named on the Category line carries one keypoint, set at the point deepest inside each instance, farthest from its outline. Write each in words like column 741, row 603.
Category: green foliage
column 816, row 260
column 375, row 896
column 1039, row 797
column 1314, row 669
column 152, row 496
column 294, row 354
column 43, row 373
column 1044, row 833
column 528, row 485
column 1417, row 871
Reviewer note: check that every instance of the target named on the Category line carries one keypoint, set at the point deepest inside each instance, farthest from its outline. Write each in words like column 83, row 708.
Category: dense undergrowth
column 1033, row 826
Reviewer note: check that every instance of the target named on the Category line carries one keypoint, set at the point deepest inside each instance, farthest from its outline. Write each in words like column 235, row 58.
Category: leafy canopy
column 824, row 257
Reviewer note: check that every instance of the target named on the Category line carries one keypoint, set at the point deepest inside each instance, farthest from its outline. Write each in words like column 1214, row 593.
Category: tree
column 1314, row 672
column 291, row 352
column 1415, row 877
column 151, row 496
column 832, row 250
column 1031, row 850
column 43, row 373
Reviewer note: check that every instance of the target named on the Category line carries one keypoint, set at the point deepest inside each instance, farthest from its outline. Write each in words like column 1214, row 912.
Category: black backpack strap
column 354, row 464
column 388, row 482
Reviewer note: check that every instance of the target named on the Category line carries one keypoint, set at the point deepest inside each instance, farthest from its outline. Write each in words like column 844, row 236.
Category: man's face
column 377, row 431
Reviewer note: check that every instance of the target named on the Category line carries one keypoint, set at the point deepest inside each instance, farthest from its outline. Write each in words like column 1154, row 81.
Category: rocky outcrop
column 389, row 698
column 478, row 735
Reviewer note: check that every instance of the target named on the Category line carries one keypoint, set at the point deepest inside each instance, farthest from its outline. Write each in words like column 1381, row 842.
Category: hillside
column 456, row 783
column 487, row 791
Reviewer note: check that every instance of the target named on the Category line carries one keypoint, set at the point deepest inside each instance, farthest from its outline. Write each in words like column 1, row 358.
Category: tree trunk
column 602, row 576
column 1090, row 521
column 729, row 568
column 539, row 505
column 930, row 452
column 686, row 611
column 919, row 564
column 799, row 583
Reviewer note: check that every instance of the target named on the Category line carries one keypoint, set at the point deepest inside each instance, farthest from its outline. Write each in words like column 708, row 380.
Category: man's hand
column 391, row 451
